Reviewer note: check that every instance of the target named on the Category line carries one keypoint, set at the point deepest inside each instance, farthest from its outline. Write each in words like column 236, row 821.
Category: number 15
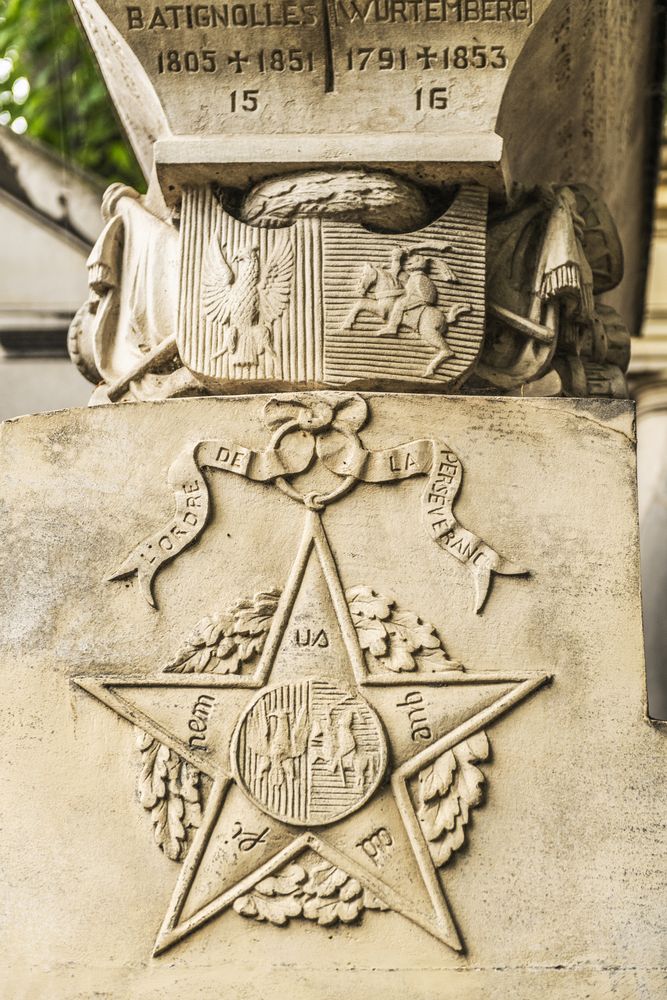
column 247, row 100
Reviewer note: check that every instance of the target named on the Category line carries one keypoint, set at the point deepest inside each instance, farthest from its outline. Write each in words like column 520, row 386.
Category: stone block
column 327, row 695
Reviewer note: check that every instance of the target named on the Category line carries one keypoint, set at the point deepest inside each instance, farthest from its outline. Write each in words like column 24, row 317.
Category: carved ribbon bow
column 325, row 426
column 325, row 418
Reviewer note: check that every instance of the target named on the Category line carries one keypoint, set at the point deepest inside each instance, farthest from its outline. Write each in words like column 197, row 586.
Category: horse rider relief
column 405, row 296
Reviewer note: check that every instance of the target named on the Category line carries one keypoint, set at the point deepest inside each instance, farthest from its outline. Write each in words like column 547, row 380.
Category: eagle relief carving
column 242, row 299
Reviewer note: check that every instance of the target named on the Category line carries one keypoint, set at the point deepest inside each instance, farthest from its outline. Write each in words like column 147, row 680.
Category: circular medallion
column 309, row 753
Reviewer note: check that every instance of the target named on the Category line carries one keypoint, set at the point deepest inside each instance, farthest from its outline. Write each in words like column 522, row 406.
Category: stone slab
column 186, row 160
column 254, row 68
column 557, row 887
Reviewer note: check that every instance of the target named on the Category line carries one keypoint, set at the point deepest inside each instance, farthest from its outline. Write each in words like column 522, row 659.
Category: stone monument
column 321, row 655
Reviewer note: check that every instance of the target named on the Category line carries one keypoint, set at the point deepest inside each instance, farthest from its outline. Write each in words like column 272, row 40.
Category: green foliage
column 68, row 107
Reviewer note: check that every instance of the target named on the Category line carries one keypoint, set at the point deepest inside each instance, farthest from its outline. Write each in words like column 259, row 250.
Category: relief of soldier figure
column 404, row 294
column 552, row 253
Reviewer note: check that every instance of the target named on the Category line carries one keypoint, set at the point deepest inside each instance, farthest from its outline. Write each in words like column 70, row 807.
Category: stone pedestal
column 388, row 740
column 499, row 91
column 341, row 672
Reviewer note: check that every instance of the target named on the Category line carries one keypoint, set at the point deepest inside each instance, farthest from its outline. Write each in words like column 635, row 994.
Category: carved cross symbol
column 427, row 57
column 237, row 60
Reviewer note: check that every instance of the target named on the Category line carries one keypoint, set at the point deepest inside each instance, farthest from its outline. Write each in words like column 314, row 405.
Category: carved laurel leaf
column 275, row 899
column 170, row 789
column 366, row 604
column 394, row 639
column 324, row 894
column 332, row 896
column 225, row 643
column 448, row 790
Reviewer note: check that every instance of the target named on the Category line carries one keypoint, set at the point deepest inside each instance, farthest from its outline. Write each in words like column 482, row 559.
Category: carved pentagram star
column 370, row 769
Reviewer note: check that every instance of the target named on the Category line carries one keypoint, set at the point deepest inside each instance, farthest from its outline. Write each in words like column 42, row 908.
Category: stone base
column 467, row 575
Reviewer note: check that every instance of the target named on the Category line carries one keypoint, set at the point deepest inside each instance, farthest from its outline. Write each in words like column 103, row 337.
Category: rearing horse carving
column 405, row 295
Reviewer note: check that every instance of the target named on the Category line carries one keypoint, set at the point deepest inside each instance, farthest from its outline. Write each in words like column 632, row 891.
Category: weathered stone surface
column 351, row 117
column 349, row 689
column 248, row 71
column 429, row 576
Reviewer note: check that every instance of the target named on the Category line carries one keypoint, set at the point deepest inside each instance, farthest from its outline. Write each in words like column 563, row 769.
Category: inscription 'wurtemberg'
column 435, row 11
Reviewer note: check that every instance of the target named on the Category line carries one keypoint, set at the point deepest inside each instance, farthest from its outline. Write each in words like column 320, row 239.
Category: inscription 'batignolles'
column 273, row 14
column 293, row 14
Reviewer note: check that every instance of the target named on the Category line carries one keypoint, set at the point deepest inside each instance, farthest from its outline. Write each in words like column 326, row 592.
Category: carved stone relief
column 326, row 708
column 499, row 92
column 329, row 669
column 551, row 255
column 448, row 66
column 313, row 763
column 302, row 295
column 319, row 774
column 310, row 433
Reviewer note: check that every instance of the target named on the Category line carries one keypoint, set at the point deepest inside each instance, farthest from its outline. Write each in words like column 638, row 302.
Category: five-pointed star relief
column 312, row 752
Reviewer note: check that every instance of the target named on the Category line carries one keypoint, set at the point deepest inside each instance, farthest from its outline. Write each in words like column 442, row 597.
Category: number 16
column 437, row 98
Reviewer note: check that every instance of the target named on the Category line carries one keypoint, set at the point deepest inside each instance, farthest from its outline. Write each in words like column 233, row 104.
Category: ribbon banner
column 341, row 451
column 426, row 457
column 192, row 498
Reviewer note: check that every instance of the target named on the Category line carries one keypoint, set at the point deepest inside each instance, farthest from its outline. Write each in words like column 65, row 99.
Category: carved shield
column 327, row 302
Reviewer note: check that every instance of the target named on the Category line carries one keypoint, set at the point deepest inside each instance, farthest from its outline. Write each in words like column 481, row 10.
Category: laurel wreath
column 321, row 893
column 170, row 789
column 393, row 639
column 448, row 790
column 226, row 643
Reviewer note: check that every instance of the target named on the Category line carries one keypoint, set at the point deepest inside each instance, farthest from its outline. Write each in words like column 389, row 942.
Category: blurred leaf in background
column 52, row 90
